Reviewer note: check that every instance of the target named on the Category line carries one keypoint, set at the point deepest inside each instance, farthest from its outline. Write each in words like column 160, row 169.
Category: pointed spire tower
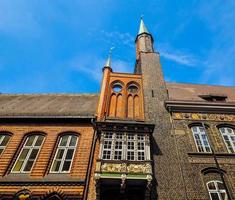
column 144, row 40
column 108, row 61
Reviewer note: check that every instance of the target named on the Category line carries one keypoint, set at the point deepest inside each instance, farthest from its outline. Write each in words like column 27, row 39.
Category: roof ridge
column 200, row 84
column 49, row 94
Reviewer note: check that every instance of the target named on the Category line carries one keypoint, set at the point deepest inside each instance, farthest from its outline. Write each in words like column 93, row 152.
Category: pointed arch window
column 216, row 190
column 64, row 154
column 229, row 138
column 4, row 139
column 28, row 154
column 200, row 138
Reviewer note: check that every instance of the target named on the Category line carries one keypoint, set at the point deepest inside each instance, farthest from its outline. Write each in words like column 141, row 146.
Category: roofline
column 198, row 106
column 47, row 116
column 47, row 119
column 201, row 84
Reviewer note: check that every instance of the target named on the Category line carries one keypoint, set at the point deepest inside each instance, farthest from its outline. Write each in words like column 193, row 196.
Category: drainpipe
column 91, row 157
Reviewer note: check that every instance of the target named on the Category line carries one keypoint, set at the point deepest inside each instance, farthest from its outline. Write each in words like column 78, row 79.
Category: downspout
column 91, row 157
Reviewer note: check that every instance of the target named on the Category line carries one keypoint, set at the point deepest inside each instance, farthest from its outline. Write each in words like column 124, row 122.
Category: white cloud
column 179, row 57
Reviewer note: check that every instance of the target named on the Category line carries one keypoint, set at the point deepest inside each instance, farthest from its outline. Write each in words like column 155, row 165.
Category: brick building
column 140, row 138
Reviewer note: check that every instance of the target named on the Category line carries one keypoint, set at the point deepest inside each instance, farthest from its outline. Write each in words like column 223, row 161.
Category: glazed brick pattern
column 178, row 175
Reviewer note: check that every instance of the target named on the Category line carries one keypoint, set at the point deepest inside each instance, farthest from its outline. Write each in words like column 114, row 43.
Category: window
column 229, row 138
column 214, row 98
column 132, row 88
column 117, row 87
column 216, row 190
column 28, row 154
column 120, row 146
column 4, row 139
column 64, row 154
column 201, row 139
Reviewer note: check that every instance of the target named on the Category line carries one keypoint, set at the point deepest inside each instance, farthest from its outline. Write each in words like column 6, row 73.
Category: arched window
column 22, row 195
column 229, row 138
column 64, row 154
column 4, row 139
column 216, row 190
column 28, row 154
column 200, row 139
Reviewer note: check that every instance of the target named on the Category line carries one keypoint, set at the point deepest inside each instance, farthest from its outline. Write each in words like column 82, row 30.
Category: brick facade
column 42, row 165
column 153, row 113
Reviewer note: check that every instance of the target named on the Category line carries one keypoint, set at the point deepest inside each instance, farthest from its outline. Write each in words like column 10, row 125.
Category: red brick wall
column 41, row 166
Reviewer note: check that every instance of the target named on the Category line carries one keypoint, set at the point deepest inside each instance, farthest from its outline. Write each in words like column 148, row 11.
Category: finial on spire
column 142, row 28
column 108, row 62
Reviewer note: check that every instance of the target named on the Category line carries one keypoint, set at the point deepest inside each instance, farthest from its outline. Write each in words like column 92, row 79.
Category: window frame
column 217, row 190
column 64, row 154
column 200, row 133
column 125, row 139
column 229, row 135
column 4, row 134
column 31, row 148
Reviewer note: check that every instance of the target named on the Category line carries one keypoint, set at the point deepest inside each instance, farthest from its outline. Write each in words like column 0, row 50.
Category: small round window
column 133, row 89
column 117, row 88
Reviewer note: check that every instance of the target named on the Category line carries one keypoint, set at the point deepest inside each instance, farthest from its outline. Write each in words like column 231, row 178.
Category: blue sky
column 60, row 46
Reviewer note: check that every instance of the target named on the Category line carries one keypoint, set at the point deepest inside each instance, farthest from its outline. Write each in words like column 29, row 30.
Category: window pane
column 30, row 140
column 106, row 154
column 69, row 154
column 140, row 155
column 64, row 140
column 5, row 140
column 60, row 154
column 215, row 196
column 33, row 154
column 28, row 165
column 220, row 186
column 211, row 186
column 66, row 166
column 117, row 155
column 39, row 141
column 222, row 130
column 56, row 166
column 130, row 155
column 23, row 154
column 18, row 165
column 73, row 141
column 224, row 196
column 130, row 145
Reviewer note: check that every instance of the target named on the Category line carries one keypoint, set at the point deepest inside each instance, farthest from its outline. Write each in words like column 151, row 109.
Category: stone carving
column 139, row 168
column 201, row 116
column 113, row 167
column 145, row 168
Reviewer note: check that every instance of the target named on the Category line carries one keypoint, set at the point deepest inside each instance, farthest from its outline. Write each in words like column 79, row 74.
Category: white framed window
column 63, row 159
column 4, row 139
column 216, row 190
column 122, row 146
column 28, row 154
column 229, row 138
column 201, row 139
